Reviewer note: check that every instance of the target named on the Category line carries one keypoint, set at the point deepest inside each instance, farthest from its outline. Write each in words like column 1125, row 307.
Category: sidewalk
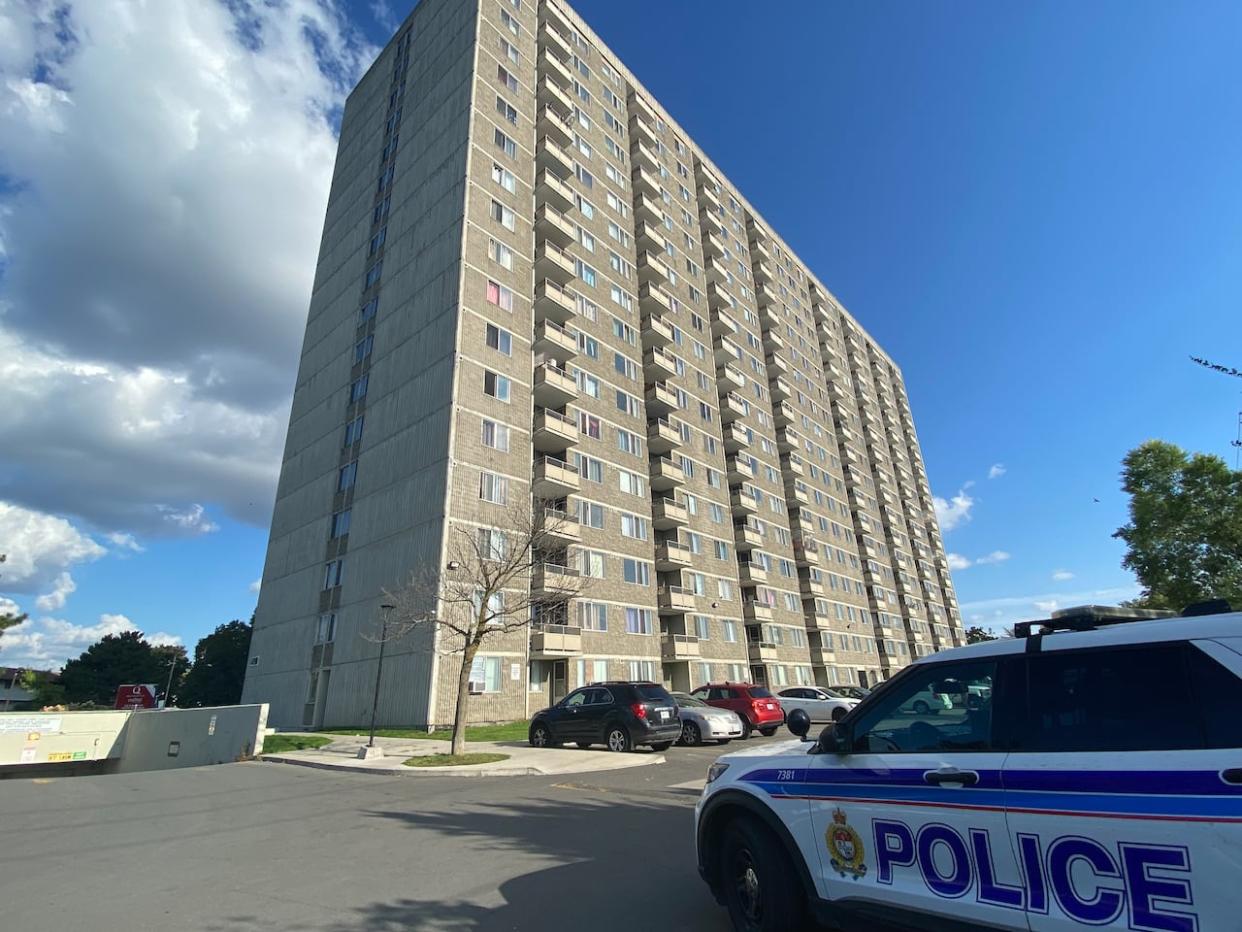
column 523, row 760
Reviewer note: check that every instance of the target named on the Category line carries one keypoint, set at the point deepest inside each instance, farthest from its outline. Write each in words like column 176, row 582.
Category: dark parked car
column 755, row 705
column 620, row 715
column 852, row 692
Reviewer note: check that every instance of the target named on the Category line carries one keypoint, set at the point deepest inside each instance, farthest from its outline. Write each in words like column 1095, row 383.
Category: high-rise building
column 534, row 287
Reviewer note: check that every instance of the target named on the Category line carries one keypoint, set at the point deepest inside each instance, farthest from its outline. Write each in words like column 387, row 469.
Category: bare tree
column 497, row 581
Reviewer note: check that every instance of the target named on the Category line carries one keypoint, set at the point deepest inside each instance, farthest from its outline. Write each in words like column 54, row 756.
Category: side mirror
column 834, row 739
column 799, row 723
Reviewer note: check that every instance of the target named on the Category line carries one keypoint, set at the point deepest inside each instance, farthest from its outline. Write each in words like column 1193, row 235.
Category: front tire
column 838, row 714
column 921, row 708
column 541, row 736
column 618, row 739
column 690, row 735
column 768, row 732
column 747, row 728
column 758, row 881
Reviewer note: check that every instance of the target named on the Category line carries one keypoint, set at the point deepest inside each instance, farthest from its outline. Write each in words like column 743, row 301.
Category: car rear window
column 760, row 692
column 652, row 692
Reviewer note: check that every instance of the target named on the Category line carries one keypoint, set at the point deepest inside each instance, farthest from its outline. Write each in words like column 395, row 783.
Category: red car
column 755, row 706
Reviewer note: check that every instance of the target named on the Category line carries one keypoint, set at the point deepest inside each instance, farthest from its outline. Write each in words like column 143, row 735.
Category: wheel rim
column 539, row 737
column 690, row 733
column 837, row 715
column 747, row 887
column 920, row 708
column 616, row 740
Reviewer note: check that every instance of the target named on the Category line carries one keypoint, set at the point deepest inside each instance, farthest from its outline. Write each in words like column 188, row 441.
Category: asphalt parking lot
column 268, row 846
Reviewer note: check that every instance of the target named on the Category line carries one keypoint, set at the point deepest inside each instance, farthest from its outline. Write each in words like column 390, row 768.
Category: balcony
column 756, row 612
column 735, row 436
column 723, row 324
column 650, row 235
column 555, row 18
column 551, row 191
column 656, row 331
column 776, row 364
column 731, row 376
column 674, row 600
column 554, row 387
column 552, row 40
column 555, row 127
column 666, row 474
column 667, row 514
column 677, row 647
column 762, row 271
column 553, row 262
column 719, row 298
column 647, row 207
column 751, row 573
column 547, row 642
column 551, row 579
column 716, row 270
column 743, row 503
column 659, row 364
column 561, row 527
column 779, row 389
column 747, row 537
column 660, row 399
column 651, row 300
column 795, row 492
column 709, row 199
column 810, row 588
column 822, row 656
column 764, row 296
column 552, row 341
column 553, row 303
column 713, row 245
column 772, row 341
column 644, row 155
column 759, row 250
column 671, row 556
column 787, row 439
column 726, row 351
column 732, row 406
column 641, row 108
column 663, row 436
column 554, row 432
column 643, row 129
column 551, row 224
column 739, row 469
column 792, row 464
column 550, row 156
column 762, row 652
column 646, row 182
column 553, row 478
column 785, row 414
column 807, row 554
column 554, row 69
column 651, row 271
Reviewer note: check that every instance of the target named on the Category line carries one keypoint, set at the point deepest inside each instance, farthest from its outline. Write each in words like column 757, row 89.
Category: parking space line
column 689, row 785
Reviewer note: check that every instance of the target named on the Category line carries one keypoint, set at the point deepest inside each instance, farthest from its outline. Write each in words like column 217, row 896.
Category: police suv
column 1087, row 773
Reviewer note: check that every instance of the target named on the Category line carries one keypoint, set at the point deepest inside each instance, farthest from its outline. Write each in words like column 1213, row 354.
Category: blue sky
column 1036, row 209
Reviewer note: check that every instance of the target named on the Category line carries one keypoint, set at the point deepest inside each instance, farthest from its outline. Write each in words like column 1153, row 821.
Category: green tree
column 117, row 659
column 1184, row 538
column 219, row 667
column 977, row 635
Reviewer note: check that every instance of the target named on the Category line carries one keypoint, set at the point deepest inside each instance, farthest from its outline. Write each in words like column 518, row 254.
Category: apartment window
column 333, row 573
column 586, row 239
column 501, row 254
column 629, row 442
column 325, row 632
column 499, row 295
column 505, row 144
column 496, row 385
column 505, row 78
column 367, row 311
column 724, row 589
column 589, row 424
column 618, row 205
column 346, row 477
column 628, row 403
column 587, row 345
column 503, row 214
column 591, row 564
column 510, row 51
column 358, row 388
column 702, row 630
column 642, row 671
column 590, row 514
column 510, row 23
column 633, row 526
column 505, row 178
column 624, row 331
column 493, row 488
column 637, row 620
column 721, row 549
column 585, row 207
column 586, row 273
column 363, row 348
column 631, row 482
column 373, row 273
column 353, row 431
column 587, row 179
column 496, row 435
column 590, row 468
column 492, row 543
column 340, row 523
column 378, row 240
column 636, row 572
column 587, row 383
column 499, row 339
column 593, row 616
column 506, row 110
column 729, row 628
column 485, row 675
column 622, row 299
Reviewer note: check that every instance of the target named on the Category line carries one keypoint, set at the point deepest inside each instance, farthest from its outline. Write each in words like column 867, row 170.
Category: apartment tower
column 534, row 287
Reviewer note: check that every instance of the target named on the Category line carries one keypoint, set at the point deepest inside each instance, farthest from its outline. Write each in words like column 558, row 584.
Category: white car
column 928, row 700
column 701, row 722
column 822, row 705
column 1058, row 797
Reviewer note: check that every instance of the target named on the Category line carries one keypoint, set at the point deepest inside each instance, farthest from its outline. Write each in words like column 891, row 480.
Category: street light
column 379, row 669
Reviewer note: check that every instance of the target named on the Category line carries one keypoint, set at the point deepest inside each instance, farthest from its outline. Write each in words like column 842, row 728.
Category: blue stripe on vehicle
column 1114, row 782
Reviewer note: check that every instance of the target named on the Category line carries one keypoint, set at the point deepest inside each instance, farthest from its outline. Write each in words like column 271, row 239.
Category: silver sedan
column 701, row 722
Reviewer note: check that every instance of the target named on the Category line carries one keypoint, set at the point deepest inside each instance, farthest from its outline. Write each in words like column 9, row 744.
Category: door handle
column 951, row 775
column 1232, row 775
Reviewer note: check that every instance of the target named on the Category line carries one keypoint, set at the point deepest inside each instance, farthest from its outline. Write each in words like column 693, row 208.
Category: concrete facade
column 577, row 310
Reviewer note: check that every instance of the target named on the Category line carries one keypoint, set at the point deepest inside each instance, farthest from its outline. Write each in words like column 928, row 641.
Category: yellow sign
column 33, row 736
column 57, row 756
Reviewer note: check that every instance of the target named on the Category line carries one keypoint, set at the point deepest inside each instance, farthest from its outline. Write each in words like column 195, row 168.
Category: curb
column 446, row 771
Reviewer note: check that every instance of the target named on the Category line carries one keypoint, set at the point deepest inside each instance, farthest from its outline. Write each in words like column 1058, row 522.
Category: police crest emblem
column 845, row 847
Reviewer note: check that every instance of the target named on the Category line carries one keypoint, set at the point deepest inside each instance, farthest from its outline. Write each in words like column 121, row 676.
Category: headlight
column 715, row 771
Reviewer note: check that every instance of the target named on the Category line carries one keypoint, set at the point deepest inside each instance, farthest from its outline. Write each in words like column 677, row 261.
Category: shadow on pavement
column 633, row 869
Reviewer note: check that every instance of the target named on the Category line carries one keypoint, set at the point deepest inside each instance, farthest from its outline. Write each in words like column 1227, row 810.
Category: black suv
column 621, row 715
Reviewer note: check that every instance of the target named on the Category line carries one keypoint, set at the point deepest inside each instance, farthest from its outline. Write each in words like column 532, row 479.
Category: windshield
column 689, row 701
column 760, row 692
column 652, row 692
column 831, row 693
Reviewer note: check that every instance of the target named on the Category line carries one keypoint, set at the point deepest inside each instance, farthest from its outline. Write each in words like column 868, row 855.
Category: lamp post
column 379, row 669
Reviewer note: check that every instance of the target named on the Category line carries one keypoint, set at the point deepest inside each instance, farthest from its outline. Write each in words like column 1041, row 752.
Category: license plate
column 664, row 715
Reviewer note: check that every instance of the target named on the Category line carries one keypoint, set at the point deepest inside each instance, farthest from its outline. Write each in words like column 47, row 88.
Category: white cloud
column 997, row 470
column 164, row 639
column 46, row 643
column 996, row 556
column 953, row 512
column 256, row 586
column 38, row 547
column 54, row 601
column 1061, row 575
column 384, row 15
column 1008, row 609
column 1046, row 605
column 125, row 542
column 957, row 561
column 157, row 152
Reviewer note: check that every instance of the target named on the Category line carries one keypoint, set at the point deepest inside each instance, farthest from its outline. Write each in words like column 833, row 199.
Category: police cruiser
column 1085, row 773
